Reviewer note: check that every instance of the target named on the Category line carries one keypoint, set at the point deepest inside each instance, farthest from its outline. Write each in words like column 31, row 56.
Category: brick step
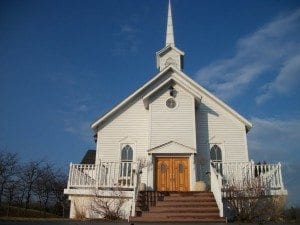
column 180, row 207
column 207, row 220
column 166, row 209
column 177, row 193
column 186, row 204
column 185, row 194
column 180, row 215
column 189, row 199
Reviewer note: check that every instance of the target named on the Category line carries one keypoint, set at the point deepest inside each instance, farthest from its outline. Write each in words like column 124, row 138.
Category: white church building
column 170, row 136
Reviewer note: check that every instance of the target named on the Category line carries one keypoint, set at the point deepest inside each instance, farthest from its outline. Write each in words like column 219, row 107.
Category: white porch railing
column 106, row 175
column 216, row 187
column 103, row 175
column 135, row 189
column 241, row 173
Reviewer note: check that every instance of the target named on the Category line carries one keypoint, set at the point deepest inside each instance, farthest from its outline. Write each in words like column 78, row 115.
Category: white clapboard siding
column 130, row 126
column 176, row 124
column 146, row 129
column 217, row 126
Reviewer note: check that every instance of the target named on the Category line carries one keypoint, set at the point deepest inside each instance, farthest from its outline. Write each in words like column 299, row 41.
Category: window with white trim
column 126, row 161
column 216, row 154
column 216, row 158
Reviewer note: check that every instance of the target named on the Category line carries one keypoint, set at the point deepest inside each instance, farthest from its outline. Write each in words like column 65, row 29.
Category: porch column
column 192, row 172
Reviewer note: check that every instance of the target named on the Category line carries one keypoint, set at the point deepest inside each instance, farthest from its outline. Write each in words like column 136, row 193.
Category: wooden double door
column 172, row 174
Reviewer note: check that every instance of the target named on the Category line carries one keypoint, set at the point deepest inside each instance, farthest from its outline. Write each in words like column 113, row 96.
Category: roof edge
column 247, row 123
column 126, row 100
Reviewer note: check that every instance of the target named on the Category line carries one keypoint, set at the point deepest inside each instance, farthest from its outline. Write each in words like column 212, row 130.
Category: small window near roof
column 171, row 103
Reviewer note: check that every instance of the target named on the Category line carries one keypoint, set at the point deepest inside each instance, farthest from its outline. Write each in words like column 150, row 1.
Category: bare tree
column 29, row 175
column 31, row 182
column 43, row 187
column 21, row 191
column 108, row 208
column 8, row 168
column 10, row 192
column 250, row 203
column 59, row 184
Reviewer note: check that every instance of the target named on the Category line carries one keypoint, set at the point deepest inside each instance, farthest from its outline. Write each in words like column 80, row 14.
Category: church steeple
column 169, row 55
column 170, row 32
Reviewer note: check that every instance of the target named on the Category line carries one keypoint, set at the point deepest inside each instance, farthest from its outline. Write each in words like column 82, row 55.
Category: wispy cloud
column 127, row 29
column 79, row 128
column 274, row 48
column 126, row 40
column 278, row 140
column 288, row 79
column 275, row 135
column 76, row 104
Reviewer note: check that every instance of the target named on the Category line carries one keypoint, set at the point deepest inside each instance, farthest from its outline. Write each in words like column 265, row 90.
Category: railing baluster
column 127, row 174
column 110, row 179
column 100, row 177
column 70, row 176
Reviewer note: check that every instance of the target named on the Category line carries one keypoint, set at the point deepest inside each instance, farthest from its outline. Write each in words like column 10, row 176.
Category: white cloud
column 126, row 40
column 275, row 136
column 276, row 140
column 79, row 128
column 287, row 80
column 271, row 48
column 127, row 29
column 83, row 108
column 77, row 104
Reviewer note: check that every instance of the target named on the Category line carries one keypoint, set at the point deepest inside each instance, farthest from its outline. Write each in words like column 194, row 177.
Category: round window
column 171, row 103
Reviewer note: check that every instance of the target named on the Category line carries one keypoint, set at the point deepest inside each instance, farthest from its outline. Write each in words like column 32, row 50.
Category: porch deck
column 124, row 176
column 106, row 175
column 242, row 175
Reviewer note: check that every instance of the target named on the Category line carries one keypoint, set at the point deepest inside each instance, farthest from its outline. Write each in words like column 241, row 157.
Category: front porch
column 243, row 176
column 107, row 180
column 124, row 177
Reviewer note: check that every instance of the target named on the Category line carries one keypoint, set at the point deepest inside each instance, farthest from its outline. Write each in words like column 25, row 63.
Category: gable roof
column 89, row 157
column 172, row 147
column 128, row 99
column 168, row 48
column 169, row 81
column 185, row 81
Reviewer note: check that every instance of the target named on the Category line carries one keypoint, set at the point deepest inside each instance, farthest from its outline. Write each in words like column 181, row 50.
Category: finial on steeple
column 170, row 32
column 169, row 56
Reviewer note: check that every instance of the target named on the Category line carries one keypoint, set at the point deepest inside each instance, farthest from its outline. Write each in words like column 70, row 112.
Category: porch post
column 69, row 178
column 252, row 169
column 280, row 176
column 192, row 172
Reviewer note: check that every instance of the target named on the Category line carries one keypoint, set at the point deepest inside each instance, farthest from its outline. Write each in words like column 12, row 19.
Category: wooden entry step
column 177, row 207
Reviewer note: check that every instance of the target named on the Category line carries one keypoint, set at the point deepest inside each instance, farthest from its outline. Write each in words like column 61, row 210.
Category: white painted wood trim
column 213, row 97
column 185, row 78
column 132, row 145
column 128, row 99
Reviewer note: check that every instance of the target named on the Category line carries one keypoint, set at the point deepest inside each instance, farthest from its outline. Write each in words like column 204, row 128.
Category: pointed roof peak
column 170, row 32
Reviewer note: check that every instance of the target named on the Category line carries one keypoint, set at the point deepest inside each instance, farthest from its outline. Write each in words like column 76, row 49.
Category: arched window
column 126, row 154
column 216, row 158
column 216, row 154
column 126, row 160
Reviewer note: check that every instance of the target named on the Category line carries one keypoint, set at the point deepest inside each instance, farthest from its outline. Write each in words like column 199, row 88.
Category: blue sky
column 64, row 63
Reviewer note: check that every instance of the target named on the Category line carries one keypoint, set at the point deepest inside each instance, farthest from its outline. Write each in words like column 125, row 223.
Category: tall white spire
column 170, row 32
column 169, row 55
